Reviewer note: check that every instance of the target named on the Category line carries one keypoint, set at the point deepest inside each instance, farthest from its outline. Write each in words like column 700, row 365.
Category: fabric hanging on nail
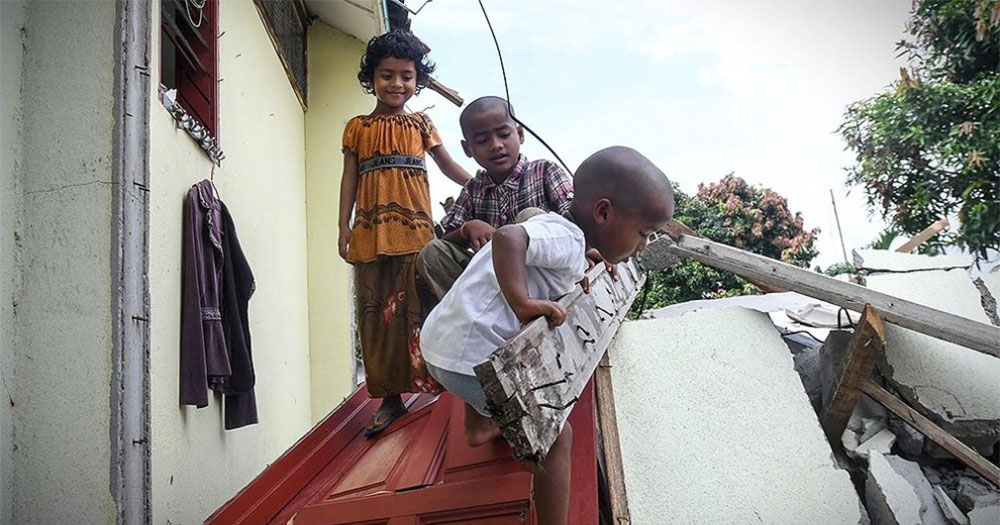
column 215, row 330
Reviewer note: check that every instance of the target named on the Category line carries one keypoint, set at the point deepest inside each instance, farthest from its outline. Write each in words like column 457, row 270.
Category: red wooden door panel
column 420, row 471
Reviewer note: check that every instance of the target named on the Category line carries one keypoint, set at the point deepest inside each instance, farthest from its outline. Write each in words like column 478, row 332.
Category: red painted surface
column 420, row 471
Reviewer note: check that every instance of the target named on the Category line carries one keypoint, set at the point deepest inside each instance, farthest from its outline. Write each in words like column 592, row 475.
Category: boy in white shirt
column 621, row 198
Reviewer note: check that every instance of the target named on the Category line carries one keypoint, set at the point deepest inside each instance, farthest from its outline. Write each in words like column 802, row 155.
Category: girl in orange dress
column 385, row 184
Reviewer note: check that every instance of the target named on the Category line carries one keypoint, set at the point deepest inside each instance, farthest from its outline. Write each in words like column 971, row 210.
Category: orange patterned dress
column 392, row 222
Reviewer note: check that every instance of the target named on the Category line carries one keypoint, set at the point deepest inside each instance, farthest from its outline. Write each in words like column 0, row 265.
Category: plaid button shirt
column 539, row 184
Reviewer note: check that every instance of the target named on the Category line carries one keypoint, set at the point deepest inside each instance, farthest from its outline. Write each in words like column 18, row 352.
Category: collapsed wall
column 715, row 425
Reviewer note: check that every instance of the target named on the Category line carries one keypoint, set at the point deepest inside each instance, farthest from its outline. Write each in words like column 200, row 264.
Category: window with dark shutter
column 286, row 22
column 189, row 58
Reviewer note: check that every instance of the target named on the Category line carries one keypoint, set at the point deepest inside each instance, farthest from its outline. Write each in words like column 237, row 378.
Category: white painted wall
column 13, row 16
column 62, row 357
column 715, row 426
column 196, row 465
column 334, row 98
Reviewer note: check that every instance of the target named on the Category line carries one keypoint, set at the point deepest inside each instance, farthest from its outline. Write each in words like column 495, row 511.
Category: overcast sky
column 703, row 87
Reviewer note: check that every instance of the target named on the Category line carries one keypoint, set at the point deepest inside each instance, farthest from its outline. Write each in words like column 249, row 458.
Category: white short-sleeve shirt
column 473, row 318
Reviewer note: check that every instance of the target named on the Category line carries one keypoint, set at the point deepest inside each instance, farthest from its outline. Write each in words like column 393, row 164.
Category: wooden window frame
column 196, row 60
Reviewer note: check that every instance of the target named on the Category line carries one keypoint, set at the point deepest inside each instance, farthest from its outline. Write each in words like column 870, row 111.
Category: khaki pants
column 440, row 262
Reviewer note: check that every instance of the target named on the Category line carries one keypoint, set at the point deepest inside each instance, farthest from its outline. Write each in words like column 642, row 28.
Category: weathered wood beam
column 533, row 380
column 866, row 343
column 676, row 228
column 960, row 450
column 607, row 421
column 923, row 236
column 971, row 334
column 450, row 94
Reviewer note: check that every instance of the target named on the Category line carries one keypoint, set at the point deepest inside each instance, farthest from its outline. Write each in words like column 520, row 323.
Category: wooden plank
column 610, row 443
column 533, row 380
column 449, row 94
column 923, row 236
column 866, row 343
column 960, row 450
column 971, row 334
column 676, row 228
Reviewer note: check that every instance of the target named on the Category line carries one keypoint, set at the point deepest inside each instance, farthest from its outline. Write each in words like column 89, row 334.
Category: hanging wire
column 506, row 89
column 199, row 6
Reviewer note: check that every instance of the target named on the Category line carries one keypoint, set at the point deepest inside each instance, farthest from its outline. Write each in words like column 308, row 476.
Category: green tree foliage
column 731, row 211
column 930, row 145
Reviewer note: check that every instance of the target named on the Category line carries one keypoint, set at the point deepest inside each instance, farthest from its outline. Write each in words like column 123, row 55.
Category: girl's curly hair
column 396, row 44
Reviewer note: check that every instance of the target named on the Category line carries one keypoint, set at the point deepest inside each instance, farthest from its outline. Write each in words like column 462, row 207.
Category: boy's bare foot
column 479, row 430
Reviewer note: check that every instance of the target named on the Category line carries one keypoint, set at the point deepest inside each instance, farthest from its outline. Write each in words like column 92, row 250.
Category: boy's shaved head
column 623, row 175
column 620, row 198
column 482, row 105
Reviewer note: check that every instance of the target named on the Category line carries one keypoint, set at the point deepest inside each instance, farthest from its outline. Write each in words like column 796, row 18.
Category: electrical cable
column 506, row 89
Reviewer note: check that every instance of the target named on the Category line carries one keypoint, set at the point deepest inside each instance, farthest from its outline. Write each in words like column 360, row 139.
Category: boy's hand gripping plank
column 533, row 380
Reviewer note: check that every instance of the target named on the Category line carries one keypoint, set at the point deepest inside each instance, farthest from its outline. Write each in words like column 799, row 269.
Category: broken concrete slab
column 715, row 426
column 986, row 511
column 897, row 492
column 890, row 498
column 887, row 261
column 953, row 386
column 952, row 514
column 881, row 442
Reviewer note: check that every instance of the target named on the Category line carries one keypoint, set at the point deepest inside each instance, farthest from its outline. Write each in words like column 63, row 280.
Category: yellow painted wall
column 334, row 97
column 196, row 465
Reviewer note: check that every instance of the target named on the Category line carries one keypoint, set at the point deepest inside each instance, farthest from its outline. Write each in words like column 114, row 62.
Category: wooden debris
column 533, row 380
column 450, row 94
column 963, row 452
column 956, row 329
column 675, row 229
column 923, row 236
column 610, row 444
column 866, row 343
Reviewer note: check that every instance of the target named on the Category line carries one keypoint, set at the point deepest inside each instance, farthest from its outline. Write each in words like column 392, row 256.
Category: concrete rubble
column 890, row 498
column 953, row 386
column 986, row 510
column 952, row 514
column 724, row 387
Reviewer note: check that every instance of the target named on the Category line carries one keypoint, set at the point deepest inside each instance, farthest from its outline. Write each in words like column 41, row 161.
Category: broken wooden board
column 935, row 323
column 611, row 448
column 533, row 380
column 868, row 341
column 963, row 452
column 924, row 236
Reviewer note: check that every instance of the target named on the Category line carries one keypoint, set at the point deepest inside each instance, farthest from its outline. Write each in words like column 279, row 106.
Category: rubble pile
column 904, row 477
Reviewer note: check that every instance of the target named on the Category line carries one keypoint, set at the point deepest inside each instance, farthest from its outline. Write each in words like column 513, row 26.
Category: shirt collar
column 513, row 180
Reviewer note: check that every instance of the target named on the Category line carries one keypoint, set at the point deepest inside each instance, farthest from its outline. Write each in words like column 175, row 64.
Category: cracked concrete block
column 718, row 429
column 952, row 514
column 898, row 492
column 881, row 442
column 953, row 386
column 930, row 511
column 908, row 439
column 891, row 499
column 986, row 511
column 888, row 261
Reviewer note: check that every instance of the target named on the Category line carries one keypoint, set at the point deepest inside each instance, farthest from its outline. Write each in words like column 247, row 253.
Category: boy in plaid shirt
column 507, row 185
